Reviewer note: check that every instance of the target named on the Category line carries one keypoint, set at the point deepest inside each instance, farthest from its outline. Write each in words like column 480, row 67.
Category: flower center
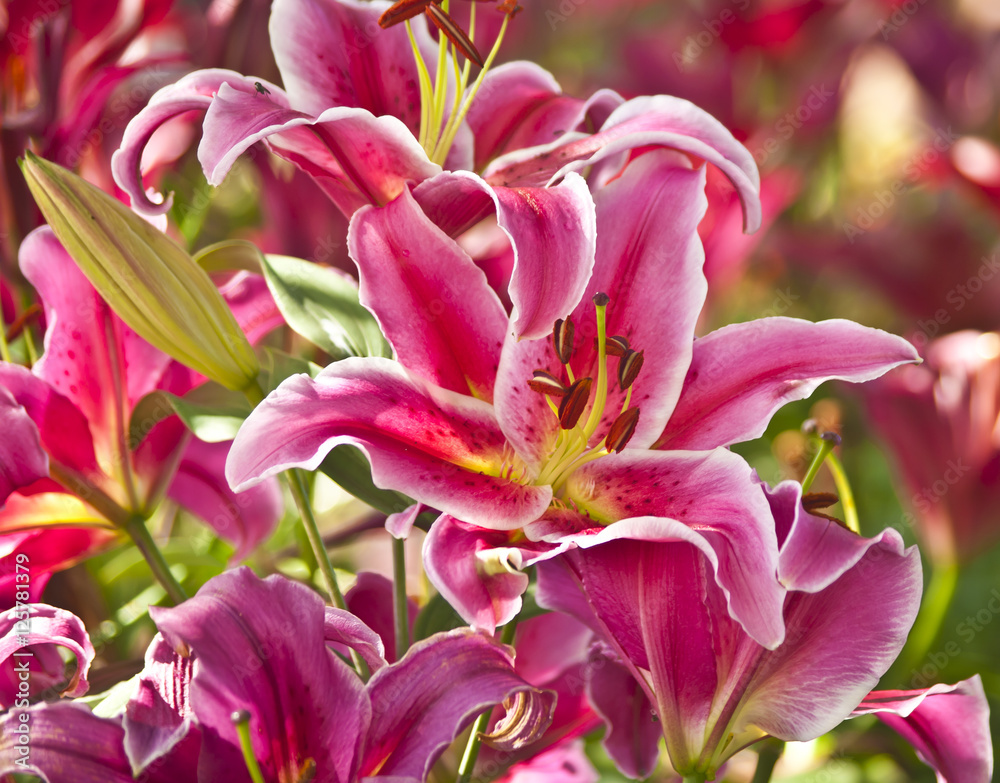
column 436, row 133
column 571, row 449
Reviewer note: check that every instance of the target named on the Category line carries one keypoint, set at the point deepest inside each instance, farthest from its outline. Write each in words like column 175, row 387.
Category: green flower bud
column 143, row 275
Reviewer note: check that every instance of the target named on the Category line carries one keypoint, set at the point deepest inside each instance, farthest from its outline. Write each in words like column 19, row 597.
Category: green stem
column 826, row 445
column 937, row 601
column 767, row 758
column 298, row 486
column 844, row 493
column 136, row 528
column 400, row 607
column 698, row 777
column 29, row 346
column 4, row 348
column 472, row 749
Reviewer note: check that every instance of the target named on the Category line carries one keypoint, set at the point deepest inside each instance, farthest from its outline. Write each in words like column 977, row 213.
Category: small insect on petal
column 574, row 403
column 562, row 339
column 628, row 368
column 622, row 430
column 401, row 11
column 616, row 345
column 454, row 33
column 547, row 383
column 261, row 89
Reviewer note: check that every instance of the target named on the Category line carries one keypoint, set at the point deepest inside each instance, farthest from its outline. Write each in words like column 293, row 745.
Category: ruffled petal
column 439, row 447
column 659, row 120
column 741, row 374
column 28, row 638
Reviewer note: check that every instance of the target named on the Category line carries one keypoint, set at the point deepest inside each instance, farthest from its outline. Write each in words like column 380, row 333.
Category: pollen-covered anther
column 546, row 383
column 401, row 11
column 628, row 368
column 622, row 430
column 573, row 405
column 454, row 33
column 616, row 345
column 562, row 339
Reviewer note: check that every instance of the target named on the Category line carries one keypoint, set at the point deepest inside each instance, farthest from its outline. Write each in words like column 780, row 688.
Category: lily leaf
column 321, row 304
column 347, row 466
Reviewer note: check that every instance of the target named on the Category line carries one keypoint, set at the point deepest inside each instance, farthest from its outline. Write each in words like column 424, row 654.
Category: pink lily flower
column 948, row 725
column 705, row 684
column 940, row 422
column 350, row 116
column 262, row 648
column 70, row 461
column 455, row 424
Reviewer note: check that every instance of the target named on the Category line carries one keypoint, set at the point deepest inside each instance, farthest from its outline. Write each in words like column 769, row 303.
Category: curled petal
column 28, row 636
column 343, row 628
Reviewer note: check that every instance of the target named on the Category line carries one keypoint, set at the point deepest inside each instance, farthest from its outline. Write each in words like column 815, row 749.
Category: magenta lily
column 710, row 687
column 349, row 117
column 73, row 465
column 454, row 423
column 262, row 648
column 948, row 725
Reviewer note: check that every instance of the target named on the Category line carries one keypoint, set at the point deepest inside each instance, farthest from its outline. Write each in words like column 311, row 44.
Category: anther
column 454, row 33
column 572, row 406
column 622, row 430
column 628, row 368
column 616, row 345
column 401, row 11
column 546, row 383
column 562, row 339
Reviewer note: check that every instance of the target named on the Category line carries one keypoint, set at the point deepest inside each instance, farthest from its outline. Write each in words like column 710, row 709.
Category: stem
column 400, row 608
column 472, row 749
column 844, row 493
column 4, row 348
column 940, row 592
column 136, row 528
column 29, row 346
column 767, row 758
column 698, row 777
column 301, row 497
column 825, row 447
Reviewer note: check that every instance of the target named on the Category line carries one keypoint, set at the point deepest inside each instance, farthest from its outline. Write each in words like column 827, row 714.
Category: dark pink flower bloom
column 702, row 681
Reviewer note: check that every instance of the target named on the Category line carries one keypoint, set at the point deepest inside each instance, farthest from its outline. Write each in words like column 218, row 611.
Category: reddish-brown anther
column 546, row 383
column 562, row 339
column 616, row 345
column 622, row 430
column 574, row 403
column 401, row 11
column 454, row 33
column 628, row 368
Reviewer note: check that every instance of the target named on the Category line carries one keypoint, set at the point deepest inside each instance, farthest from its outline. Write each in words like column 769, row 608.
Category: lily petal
column 659, row 120
column 437, row 446
column 260, row 646
column 947, row 724
column 370, row 600
column 421, row 703
column 343, row 628
column 741, row 374
column 34, row 636
column 431, row 301
column 22, row 458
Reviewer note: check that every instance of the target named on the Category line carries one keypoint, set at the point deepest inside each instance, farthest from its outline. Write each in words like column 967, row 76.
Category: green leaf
column 277, row 366
column 230, row 256
column 322, row 305
column 435, row 617
column 348, row 466
column 211, row 412
column 111, row 703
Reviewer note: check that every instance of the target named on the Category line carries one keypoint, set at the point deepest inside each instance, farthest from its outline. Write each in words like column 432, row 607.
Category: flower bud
column 143, row 275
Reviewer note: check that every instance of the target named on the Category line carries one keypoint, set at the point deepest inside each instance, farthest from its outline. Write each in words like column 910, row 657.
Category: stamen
column 616, row 345
column 601, row 301
column 562, row 339
column 546, row 383
column 241, row 719
column 401, row 11
column 622, row 430
column 454, row 33
column 628, row 368
column 574, row 403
